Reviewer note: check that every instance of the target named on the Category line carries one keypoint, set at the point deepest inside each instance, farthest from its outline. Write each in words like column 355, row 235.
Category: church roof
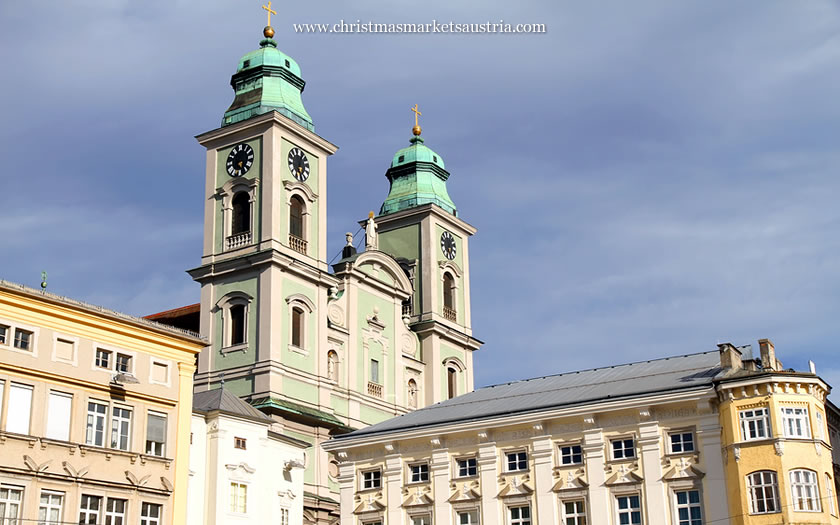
column 562, row 390
column 221, row 400
column 417, row 176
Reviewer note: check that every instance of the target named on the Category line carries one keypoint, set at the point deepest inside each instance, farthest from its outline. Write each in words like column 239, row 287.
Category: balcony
column 297, row 244
column 239, row 240
column 450, row 314
column 407, row 309
column 374, row 389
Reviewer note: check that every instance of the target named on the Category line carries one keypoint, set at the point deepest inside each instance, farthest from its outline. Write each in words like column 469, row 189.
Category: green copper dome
column 417, row 177
column 267, row 80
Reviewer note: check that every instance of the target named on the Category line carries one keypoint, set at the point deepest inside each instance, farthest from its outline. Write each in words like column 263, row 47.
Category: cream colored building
column 94, row 413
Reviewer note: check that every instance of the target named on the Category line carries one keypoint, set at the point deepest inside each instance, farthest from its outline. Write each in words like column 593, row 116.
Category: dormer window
column 288, row 64
column 246, row 64
column 401, row 159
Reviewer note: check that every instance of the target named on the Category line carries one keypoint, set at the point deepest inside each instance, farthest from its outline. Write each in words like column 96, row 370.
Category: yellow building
column 778, row 457
column 95, row 410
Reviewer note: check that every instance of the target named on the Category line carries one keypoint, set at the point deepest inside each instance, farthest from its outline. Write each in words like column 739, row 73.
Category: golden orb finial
column 416, row 129
column 268, row 32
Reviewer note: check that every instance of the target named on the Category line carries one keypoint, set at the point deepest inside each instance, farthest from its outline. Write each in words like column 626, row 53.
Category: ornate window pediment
column 623, row 475
column 570, row 480
column 516, row 486
column 467, row 491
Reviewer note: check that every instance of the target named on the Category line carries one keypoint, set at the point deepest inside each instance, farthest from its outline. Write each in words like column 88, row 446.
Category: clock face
column 447, row 245
column 299, row 164
column 240, row 159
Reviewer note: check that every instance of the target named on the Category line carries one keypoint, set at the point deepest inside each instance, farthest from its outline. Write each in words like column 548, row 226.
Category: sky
column 648, row 178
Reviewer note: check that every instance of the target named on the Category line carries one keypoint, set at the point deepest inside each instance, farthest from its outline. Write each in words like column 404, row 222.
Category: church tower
column 419, row 225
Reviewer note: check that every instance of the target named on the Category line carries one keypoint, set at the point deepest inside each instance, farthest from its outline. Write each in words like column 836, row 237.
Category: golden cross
column 417, row 113
column 270, row 12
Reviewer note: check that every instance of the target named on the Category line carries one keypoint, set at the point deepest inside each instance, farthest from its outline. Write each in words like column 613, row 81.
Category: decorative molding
column 417, row 496
column 622, row 475
column 467, row 491
column 233, row 467
column 336, row 315
column 167, row 485
column 301, row 300
column 516, row 486
column 451, row 266
column 369, row 503
column 80, row 473
column 299, row 187
column 573, row 480
column 779, row 445
column 32, row 465
column 736, row 452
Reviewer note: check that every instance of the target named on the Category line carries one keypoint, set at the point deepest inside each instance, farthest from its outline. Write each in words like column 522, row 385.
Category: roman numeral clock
column 447, row 245
column 299, row 164
column 240, row 159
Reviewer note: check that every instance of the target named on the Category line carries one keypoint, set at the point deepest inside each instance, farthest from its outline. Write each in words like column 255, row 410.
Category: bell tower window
column 233, row 310
column 297, row 237
column 449, row 311
column 241, row 214
column 237, row 324
column 451, row 382
column 297, row 327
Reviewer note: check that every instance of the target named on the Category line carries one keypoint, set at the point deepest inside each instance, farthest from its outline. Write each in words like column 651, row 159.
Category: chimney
column 768, row 355
column 730, row 357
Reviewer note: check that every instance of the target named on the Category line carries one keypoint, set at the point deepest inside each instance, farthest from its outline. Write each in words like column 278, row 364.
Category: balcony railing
column 407, row 309
column 297, row 244
column 239, row 240
column 450, row 314
column 374, row 389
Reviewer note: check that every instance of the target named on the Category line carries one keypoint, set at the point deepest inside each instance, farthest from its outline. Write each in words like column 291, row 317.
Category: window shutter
column 156, row 429
column 20, row 408
column 58, row 416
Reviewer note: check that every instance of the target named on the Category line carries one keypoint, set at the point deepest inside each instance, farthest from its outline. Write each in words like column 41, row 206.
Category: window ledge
column 298, row 350
column 466, row 478
column 58, row 443
column 369, row 491
column 241, row 347
column 682, row 454
column 156, row 459
column 108, row 452
column 415, row 483
column 18, row 437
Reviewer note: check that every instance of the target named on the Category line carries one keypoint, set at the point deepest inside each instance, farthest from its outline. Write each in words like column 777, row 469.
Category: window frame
column 793, row 417
column 24, row 340
column 470, row 513
column 224, row 306
column 90, row 427
column 763, row 486
column 85, row 511
column 688, row 505
column 630, row 510
column 578, row 517
column 375, row 481
column 53, row 412
column 762, row 422
column 624, row 448
column 4, row 334
column 813, row 487
column 240, row 443
column 107, row 354
column 145, row 519
column 238, row 497
column 682, row 442
column 421, row 475
column 426, row 518
column 518, row 461
column 519, row 520
column 128, row 360
column 575, row 450
column 9, row 502
column 467, row 460
column 162, row 444
column 116, row 517
column 19, row 387
column 49, row 505
column 123, row 430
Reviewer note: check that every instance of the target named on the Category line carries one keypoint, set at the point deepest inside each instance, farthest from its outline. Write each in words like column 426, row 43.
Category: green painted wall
column 309, row 472
column 222, row 178
column 290, row 357
column 247, row 284
column 446, row 352
column 340, row 405
column 241, row 387
column 380, row 275
column 405, row 242
column 367, row 302
column 313, row 249
column 300, row 391
column 372, row 415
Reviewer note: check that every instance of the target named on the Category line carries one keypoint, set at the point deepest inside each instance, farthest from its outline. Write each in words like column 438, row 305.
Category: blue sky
column 648, row 178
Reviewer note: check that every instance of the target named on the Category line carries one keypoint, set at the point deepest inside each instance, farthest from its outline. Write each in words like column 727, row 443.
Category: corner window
column 681, row 442
column 156, row 434
column 238, row 498
column 763, row 489
column 23, row 339
column 571, row 455
column 829, row 492
column 755, row 424
column 629, row 509
column 467, row 467
column 574, row 512
column 795, row 422
column 623, row 448
column 804, row 490
column 520, row 515
column 516, row 461
column 688, row 506
column 419, row 472
column 371, row 479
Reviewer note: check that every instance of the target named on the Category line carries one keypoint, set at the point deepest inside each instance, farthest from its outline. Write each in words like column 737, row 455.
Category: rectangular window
column 623, row 448
column 520, row 515
column 59, row 408
column 239, row 498
column 795, row 422
column 10, row 502
column 155, row 434
column 516, row 461
column 120, row 428
column 4, row 334
column 820, row 426
column 755, row 424
column 469, row 517
column 240, row 443
column 64, row 349
column 804, row 489
column 419, row 472
column 629, row 510
column 95, row 431
column 103, row 358
column 49, row 509
column 374, row 371
column 689, row 508
column 89, row 510
column 425, row 519
column 150, row 513
column 23, row 339
column 123, row 363
column 571, row 455
column 20, row 408
column 467, row 467
column 682, row 442
column 574, row 512
column 371, row 479
column 115, row 511
column 763, row 489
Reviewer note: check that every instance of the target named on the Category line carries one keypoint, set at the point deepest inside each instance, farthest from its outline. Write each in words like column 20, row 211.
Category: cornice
column 416, row 214
column 259, row 124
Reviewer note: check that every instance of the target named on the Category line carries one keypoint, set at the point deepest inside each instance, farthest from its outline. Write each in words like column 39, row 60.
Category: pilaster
column 346, row 479
column 439, row 468
column 488, row 473
column 393, row 486
column 715, row 496
column 599, row 497
column 542, row 452
column 656, row 506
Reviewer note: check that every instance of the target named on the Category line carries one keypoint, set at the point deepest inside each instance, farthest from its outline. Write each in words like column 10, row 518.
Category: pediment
column 417, row 497
column 384, row 268
column 683, row 469
column 622, row 476
column 465, row 492
column 369, row 503
column 516, row 486
column 572, row 480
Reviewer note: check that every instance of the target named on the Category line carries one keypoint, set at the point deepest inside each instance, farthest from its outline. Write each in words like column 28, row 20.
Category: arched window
column 449, row 311
column 452, row 381
column 332, row 365
column 237, row 324
column 412, row 393
column 297, row 327
column 763, row 489
column 296, row 211
column 241, row 213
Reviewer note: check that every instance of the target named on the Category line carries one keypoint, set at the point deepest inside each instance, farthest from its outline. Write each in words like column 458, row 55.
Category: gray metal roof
column 220, row 400
column 572, row 388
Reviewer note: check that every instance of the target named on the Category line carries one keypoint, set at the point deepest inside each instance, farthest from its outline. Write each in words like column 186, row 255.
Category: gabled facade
column 94, row 413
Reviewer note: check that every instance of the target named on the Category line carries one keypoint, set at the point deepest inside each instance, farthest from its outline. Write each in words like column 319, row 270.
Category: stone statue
column 370, row 234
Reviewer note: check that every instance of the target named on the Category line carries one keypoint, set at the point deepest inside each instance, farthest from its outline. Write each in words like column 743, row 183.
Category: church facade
column 322, row 350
